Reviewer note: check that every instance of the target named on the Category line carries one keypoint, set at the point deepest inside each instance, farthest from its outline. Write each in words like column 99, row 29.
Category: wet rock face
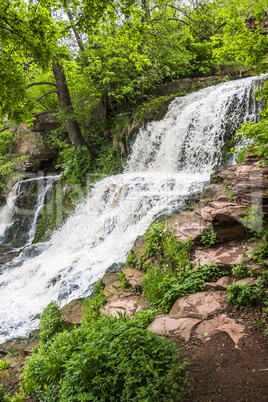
column 247, row 183
column 234, row 191
column 7, row 253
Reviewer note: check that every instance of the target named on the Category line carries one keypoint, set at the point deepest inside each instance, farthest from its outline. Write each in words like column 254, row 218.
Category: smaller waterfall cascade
column 170, row 160
column 7, row 210
column 20, row 216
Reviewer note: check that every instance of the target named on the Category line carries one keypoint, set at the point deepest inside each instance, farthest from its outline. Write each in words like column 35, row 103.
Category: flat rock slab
column 129, row 306
column 164, row 325
column 221, row 323
column 73, row 312
column 227, row 255
column 188, row 225
column 249, row 281
column 199, row 305
column 133, row 276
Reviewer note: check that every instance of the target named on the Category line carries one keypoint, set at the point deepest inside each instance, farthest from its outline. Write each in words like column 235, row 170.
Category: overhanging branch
column 45, row 112
column 41, row 83
column 42, row 96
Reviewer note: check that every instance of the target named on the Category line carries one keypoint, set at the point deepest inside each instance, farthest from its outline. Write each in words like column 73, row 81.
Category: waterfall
column 20, row 216
column 170, row 159
column 6, row 211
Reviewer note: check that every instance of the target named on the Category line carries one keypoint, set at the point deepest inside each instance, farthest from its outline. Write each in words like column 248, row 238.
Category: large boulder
column 165, row 325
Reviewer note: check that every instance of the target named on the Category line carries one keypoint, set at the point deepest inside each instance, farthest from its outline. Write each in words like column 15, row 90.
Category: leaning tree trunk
column 72, row 126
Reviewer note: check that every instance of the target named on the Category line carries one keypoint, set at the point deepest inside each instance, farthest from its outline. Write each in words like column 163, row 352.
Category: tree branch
column 4, row 129
column 41, row 83
column 46, row 111
column 76, row 34
column 42, row 96
column 189, row 25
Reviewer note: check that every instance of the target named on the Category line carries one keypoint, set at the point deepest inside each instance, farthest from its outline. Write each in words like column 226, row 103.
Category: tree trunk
column 72, row 125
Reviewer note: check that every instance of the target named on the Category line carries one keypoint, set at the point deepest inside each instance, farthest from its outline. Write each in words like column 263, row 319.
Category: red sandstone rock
column 221, row 284
column 164, row 325
column 221, row 323
column 226, row 255
column 133, row 276
column 188, row 225
column 129, row 306
column 199, row 305
column 249, row 281
column 73, row 312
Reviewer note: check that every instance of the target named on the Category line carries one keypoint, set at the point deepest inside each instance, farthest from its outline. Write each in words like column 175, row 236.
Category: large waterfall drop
column 170, row 159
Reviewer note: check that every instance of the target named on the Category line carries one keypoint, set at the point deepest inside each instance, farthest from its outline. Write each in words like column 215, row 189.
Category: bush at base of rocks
column 107, row 359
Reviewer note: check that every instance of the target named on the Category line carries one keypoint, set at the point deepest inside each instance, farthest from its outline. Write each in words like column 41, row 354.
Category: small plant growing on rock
column 230, row 195
column 253, row 220
column 240, row 270
column 209, row 238
column 3, row 365
column 123, row 281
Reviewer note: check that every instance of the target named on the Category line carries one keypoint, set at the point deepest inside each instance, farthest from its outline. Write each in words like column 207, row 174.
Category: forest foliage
column 92, row 63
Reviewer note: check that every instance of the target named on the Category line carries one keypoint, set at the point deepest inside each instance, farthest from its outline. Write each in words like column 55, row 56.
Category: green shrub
column 209, row 237
column 51, row 322
column 109, row 359
column 253, row 220
column 260, row 253
column 155, row 237
column 156, row 283
column 245, row 295
column 124, row 283
column 94, row 303
column 161, row 242
column 162, row 289
column 145, row 317
column 3, row 365
column 240, row 270
column 2, row 393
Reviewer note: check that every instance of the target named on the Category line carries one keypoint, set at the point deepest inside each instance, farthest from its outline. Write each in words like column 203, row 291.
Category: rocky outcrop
column 234, row 191
column 73, row 312
column 200, row 315
column 185, row 84
column 123, row 300
column 32, row 143
column 7, row 253
column 199, row 305
column 226, row 254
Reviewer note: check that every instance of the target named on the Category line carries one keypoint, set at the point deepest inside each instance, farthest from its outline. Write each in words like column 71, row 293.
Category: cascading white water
column 11, row 215
column 170, row 159
column 7, row 210
column 46, row 185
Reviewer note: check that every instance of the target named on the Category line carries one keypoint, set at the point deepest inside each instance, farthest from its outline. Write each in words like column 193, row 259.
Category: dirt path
column 222, row 372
